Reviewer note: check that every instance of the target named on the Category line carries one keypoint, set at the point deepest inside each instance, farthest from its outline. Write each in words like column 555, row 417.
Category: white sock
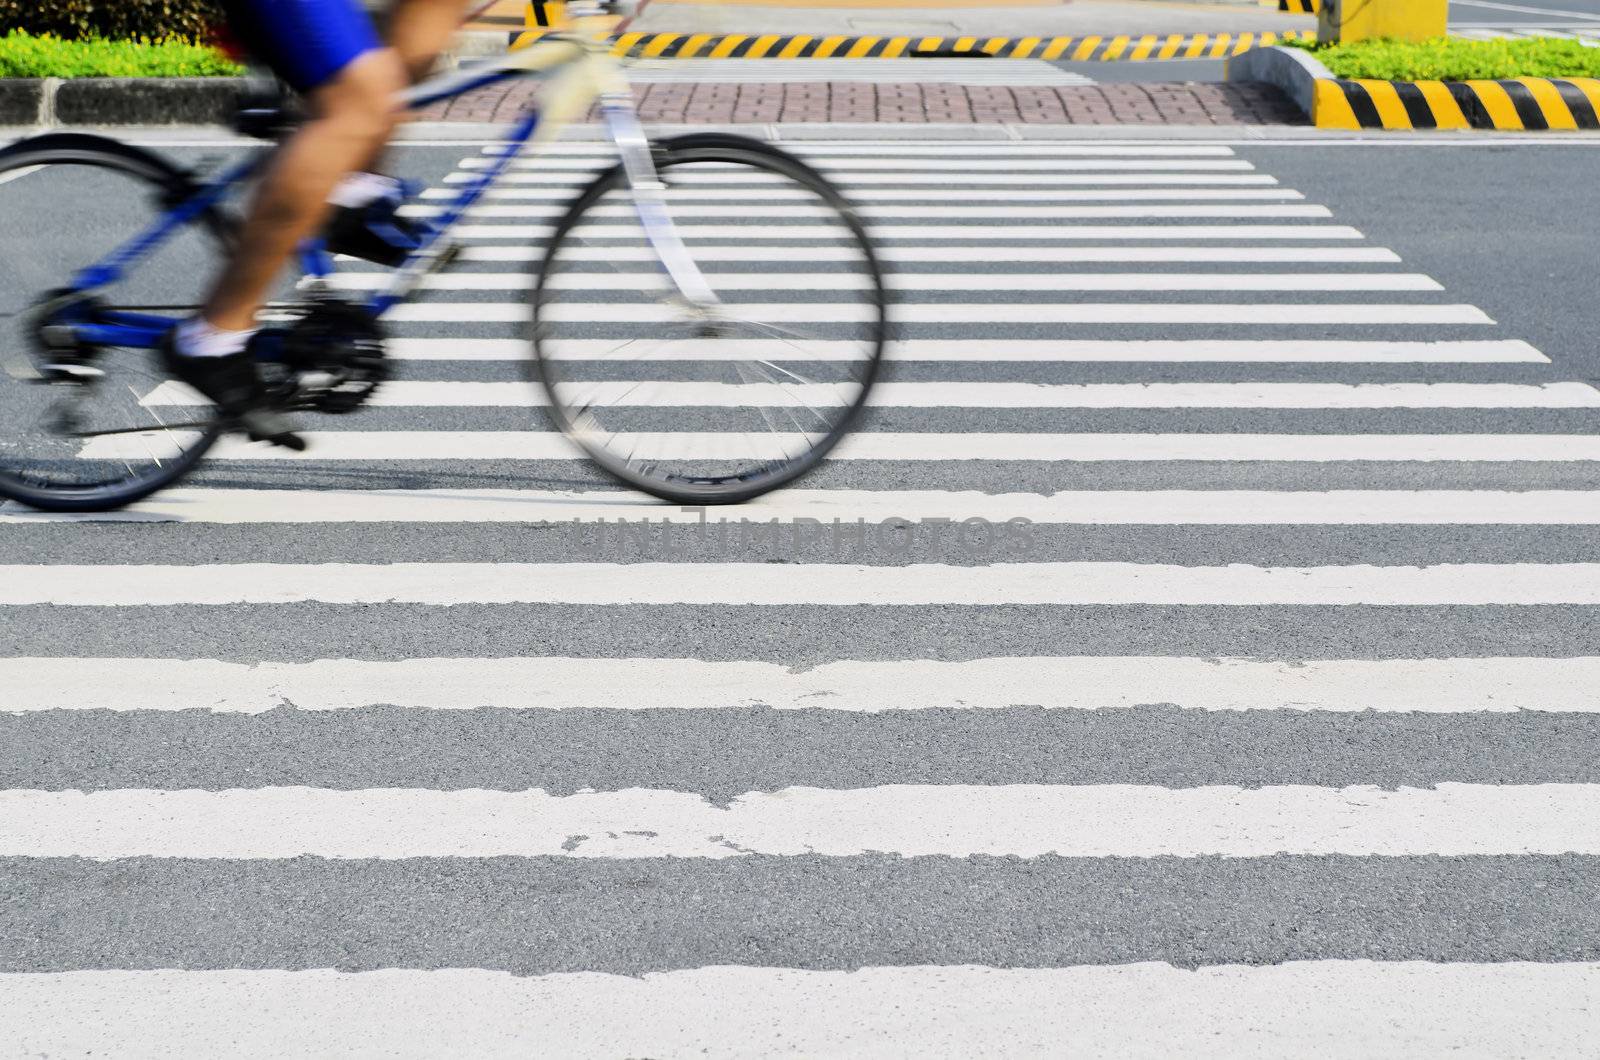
column 360, row 189
column 197, row 338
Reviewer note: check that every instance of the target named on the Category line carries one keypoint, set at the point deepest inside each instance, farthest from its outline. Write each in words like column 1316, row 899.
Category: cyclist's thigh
column 308, row 43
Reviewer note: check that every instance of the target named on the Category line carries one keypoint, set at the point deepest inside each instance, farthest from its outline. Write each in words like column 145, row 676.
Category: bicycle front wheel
column 712, row 408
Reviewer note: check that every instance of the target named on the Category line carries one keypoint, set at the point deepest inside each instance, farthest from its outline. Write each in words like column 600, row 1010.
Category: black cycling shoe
column 234, row 385
column 375, row 232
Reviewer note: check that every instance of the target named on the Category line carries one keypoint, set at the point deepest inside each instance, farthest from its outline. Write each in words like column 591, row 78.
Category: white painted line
column 658, row 394
column 573, row 180
column 817, row 150
column 1435, row 686
column 1010, row 255
column 998, row 283
column 821, row 585
column 1068, row 507
column 1022, row 820
column 759, row 197
column 384, row 446
column 387, row 446
column 986, row 233
column 1187, row 351
column 1335, row 1010
column 885, row 164
column 570, row 182
column 813, row 313
column 18, row 174
column 892, row 216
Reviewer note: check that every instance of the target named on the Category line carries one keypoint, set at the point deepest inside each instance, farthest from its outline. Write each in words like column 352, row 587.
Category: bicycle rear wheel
column 88, row 427
column 718, row 409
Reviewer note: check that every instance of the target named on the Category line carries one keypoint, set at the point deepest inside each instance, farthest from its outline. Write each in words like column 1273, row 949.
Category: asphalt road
column 1470, row 12
column 1286, row 745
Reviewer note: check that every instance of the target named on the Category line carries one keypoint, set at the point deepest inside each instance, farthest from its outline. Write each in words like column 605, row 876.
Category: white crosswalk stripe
column 408, row 394
column 1191, row 654
column 1182, row 351
column 921, row 447
column 1145, row 1009
column 1446, row 686
column 1023, row 821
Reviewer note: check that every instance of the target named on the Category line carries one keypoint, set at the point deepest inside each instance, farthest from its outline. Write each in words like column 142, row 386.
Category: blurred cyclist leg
column 329, row 51
column 366, row 223
column 420, row 29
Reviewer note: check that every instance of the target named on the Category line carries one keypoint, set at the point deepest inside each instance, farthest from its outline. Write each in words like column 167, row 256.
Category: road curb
column 1090, row 48
column 1520, row 104
column 21, row 101
column 119, row 100
column 1295, row 71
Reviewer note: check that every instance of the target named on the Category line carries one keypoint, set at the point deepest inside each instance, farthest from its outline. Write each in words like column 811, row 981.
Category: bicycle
column 89, row 421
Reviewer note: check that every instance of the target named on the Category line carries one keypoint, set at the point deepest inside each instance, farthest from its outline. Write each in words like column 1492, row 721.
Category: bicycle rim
column 720, row 409
column 111, row 428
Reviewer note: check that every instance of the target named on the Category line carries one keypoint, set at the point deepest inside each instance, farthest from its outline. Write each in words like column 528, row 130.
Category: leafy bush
column 112, row 19
column 22, row 55
column 1450, row 59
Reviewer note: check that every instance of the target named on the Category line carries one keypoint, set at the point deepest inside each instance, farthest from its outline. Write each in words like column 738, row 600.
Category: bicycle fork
column 650, row 203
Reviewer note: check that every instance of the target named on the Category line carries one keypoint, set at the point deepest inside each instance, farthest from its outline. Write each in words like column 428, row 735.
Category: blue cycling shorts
column 308, row 43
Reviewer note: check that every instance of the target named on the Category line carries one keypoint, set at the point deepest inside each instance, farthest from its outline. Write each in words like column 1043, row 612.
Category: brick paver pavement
column 1163, row 103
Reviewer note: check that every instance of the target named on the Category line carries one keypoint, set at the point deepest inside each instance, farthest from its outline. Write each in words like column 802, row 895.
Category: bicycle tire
column 725, row 150
column 164, row 183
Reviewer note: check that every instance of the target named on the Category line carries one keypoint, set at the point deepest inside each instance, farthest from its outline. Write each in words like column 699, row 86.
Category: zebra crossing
column 1192, row 654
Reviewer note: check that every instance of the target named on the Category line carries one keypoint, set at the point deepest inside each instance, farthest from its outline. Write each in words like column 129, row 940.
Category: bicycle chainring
column 335, row 358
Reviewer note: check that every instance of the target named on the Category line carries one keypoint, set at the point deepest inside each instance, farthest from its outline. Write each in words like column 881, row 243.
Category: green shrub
column 1451, row 59
column 112, row 19
column 22, row 55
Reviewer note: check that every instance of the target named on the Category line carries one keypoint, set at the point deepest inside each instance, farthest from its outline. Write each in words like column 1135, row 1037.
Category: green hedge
column 111, row 19
column 22, row 55
column 1449, row 59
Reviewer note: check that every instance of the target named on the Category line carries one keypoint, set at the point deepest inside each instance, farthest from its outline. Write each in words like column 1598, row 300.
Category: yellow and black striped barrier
column 1299, row 7
column 1074, row 49
column 1521, row 103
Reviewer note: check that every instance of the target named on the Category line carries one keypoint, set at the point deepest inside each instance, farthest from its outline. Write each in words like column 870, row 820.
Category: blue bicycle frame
column 145, row 330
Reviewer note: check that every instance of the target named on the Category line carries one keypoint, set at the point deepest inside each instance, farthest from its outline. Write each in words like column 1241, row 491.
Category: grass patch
column 24, row 55
column 1449, row 59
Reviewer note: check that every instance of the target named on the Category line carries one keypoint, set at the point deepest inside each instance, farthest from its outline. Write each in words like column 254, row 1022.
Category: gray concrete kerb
column 1294, row 70
column 120, row 100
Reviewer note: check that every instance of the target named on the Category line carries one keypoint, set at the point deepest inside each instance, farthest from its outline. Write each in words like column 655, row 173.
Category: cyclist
column 330, row 52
